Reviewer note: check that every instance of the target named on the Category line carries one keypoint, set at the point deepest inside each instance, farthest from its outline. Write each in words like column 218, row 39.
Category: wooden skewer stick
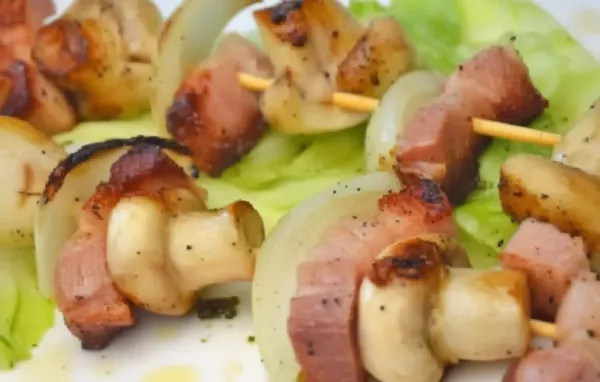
column 514, row 133
column 543, row 329
column 348, row 101
column 481, row 126
column 364, row 104
column 254, row 83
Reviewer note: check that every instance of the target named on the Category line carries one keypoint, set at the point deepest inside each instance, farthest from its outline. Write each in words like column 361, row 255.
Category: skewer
column 481, row 126
column 344, row 100
column 364, row 104
column 514, row 133
column 543, row 329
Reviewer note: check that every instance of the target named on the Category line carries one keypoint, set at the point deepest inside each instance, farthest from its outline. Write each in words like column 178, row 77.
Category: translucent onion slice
column 27, row 156
column 397, row 107
column 580, row 147
column 287, row 246
column 186, row 39
column 71, row 183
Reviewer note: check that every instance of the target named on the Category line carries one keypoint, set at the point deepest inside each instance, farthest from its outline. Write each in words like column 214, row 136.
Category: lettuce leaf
column 445, row 32
column 25, row 314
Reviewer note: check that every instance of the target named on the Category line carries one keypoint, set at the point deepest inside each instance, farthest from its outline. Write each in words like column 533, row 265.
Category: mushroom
column 215, row 246
column 415, row 315
column 317, row 48
column 471, row 308
column 69, row 185
column 394, row 308
column 100, row 51
column 379, row 57
column 580, row 147
column 28, row 157
column 160, row 260
column 135, row 251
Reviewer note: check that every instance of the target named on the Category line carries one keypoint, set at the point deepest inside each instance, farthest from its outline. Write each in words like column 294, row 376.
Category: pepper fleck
column 591, row 333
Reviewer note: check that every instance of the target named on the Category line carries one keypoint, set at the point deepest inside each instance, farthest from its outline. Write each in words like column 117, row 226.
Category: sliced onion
column 288, row 245
column 27, row 156
column 71, row 183
column 580, row 147
column 397, row 107
column 186, row 39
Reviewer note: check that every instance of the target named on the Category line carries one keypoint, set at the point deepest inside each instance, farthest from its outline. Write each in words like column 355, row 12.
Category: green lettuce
column 24, row 314
column 281, row 171
column 445, row 32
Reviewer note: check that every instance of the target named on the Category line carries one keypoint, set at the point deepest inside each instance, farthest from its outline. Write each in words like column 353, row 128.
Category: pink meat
column 579, row 313
column 439, row 142
column 575, row 360
column 550, row 258
column 213, row 114
column 577, row 357
column 322, row 322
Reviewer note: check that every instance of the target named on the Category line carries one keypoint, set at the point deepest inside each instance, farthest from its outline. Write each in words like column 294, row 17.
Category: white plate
column 190, row 350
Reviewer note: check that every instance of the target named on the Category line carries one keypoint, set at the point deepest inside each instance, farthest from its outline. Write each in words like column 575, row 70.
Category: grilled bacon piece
column 439, row 142
column 94, row 310
column 212, row 114
column 20, row 21
column 24, row 92
column 550, row 258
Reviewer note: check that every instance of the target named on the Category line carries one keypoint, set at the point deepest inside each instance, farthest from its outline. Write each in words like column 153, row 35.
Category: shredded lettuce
column 445, row 32
column 24, row 315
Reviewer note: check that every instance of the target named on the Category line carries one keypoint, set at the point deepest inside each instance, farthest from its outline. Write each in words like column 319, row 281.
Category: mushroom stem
column 161, row 254
column 393, row 313
column 482, row 315
column 136, row 257
column 213, row 247
column 415, row 315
